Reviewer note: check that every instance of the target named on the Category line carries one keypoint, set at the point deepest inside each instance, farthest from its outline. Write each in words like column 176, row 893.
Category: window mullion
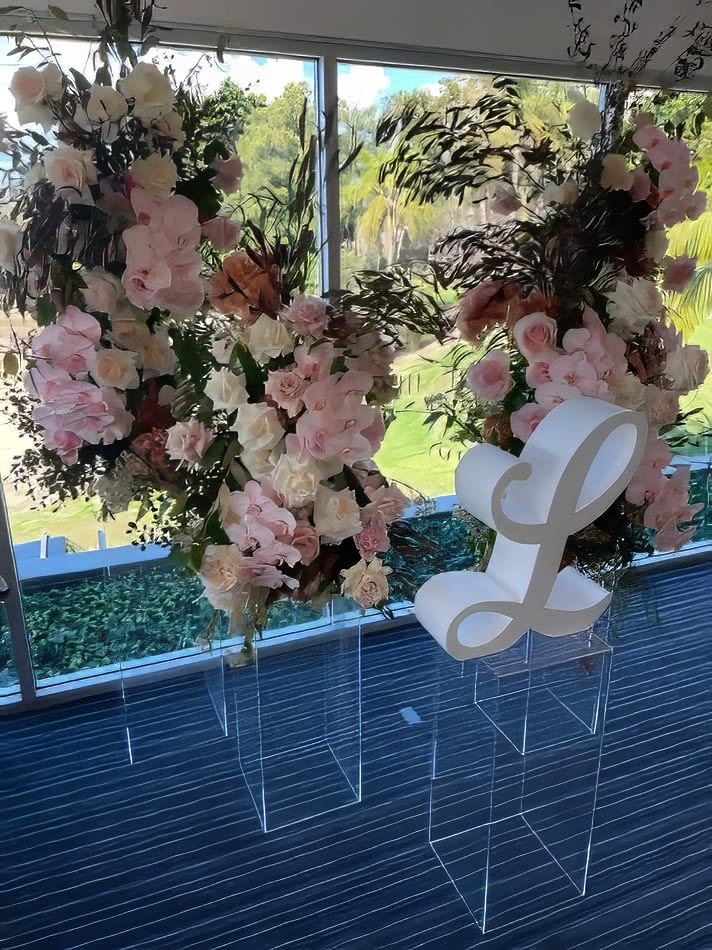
column 14, row 611
column 328, row 120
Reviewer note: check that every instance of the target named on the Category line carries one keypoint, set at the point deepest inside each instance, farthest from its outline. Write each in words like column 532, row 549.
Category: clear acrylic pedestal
column 298, row 708
column 170, row 707
column 516, row 760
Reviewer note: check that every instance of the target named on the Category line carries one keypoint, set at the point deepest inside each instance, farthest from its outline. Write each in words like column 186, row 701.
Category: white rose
column 627, row 390
column 297, row 480
column 112, row 367
column 157, row 174
column 133, row 334
column 10, row 244
column 269, row 338
column 337, row 515
column 157, row 354
column 188, row 441
column 102, row 290
column 226, row 390
column 150, row 89
column 53, row 80
column 584, row 119
column 257, row 426
column 687, row 368
column 661, row 405
column 615, row 174
column 261, row 462
column 30, row 93
column 633, row 305
column 105, row 104
column 366, row 582
column 167, row 127
column 72, row 172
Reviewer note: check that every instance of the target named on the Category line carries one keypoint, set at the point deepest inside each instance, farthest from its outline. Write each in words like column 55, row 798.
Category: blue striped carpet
column 168, row 853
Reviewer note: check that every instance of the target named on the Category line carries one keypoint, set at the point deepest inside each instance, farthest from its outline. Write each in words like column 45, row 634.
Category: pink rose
column 285, row 388
column 221, row 232
column 490, row 378
column 188, row 441
column 307, row 315
column 678, row 272
column 535, row 335
column 525, row 420
column 315, row 362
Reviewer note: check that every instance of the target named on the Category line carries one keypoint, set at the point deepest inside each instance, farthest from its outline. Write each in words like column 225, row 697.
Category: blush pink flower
column 315, row 362
column 535, row 334
column 678, row 272
column 525, row 420
column 553, row 394
column 94, row 414
column 70, row 343
column 490, row 378
column 307, row 315
column 670, row 509
column 386, row 500
column 228, row 172
column 306, row 541
column 504, row 201
column 221, row 232
column 575, row 370
column 373, row 539
column 188, row 441
column 285, row 388
column 649, row 479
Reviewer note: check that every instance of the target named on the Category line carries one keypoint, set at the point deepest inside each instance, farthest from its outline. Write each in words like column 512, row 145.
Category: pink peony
column 525, row 420
column 490, row 378
column 535, row 334
column 678, row 272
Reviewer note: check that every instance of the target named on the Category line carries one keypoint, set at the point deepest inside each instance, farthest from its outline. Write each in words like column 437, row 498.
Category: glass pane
column 8, row 675
column 92, row 601
column 381, row 225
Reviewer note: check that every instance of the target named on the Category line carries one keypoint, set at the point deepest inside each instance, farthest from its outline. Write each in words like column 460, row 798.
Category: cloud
column 362, row 85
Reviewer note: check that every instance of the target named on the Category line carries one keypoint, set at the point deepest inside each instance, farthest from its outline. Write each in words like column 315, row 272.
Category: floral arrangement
column 180, row 358
column 560, row 292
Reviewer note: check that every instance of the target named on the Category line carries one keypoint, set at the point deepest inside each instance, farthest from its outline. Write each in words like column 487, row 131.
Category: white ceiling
column 484, row 32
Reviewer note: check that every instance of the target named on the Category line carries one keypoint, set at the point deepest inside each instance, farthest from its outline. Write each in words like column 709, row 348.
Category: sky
column 359, row 85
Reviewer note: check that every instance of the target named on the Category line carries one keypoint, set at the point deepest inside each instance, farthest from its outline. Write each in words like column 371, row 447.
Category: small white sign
column 576, row 463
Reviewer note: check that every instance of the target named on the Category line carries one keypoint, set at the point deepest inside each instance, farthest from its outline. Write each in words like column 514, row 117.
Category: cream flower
column 257, row 426
column 584, row 119
column 105, row 104
column 226, row 390
column 687, row 368
column 269, row 338
column 112, row 367
column 337, row 515
column 10, row 244
column 150, row 89
column 102, row 290
column 366, row 582
column 72, row 172
column 297, row 480
column 615, row 174
column 633, row 305
column 157, row 174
